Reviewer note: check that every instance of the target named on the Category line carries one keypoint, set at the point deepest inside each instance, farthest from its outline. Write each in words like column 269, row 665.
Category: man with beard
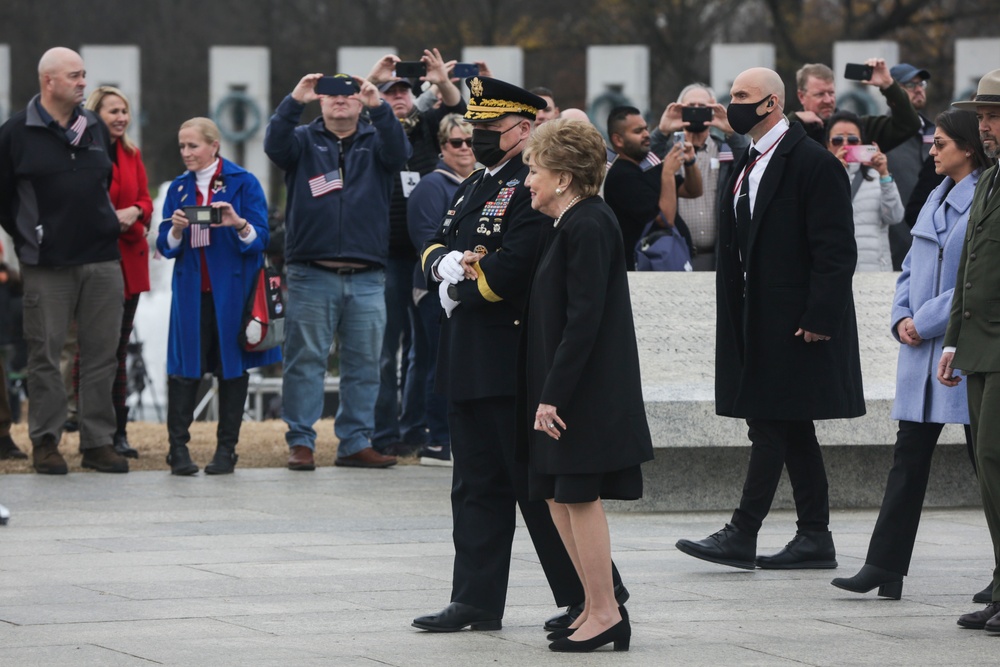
column 786, row 348
column 640, row 188
column 970, row 342
column 481, row 261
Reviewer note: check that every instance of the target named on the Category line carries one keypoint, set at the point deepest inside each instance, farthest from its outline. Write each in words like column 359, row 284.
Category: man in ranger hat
column 481, row 261
column 970, row 342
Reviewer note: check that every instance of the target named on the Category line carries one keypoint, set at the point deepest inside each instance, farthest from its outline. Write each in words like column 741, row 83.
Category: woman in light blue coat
column 919, row 317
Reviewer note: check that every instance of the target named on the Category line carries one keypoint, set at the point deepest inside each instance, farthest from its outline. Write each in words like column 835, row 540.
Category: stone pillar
column 118, row 66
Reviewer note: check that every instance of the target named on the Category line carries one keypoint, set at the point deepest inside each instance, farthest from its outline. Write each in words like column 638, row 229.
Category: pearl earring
column 559, row 191
column 968, row 154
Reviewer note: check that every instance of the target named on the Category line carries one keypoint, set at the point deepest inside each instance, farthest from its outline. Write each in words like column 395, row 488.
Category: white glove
column 447, row 302
column 450, row 268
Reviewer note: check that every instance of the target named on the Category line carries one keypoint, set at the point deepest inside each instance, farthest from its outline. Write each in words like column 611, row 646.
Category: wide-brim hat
column 492, row 99
column 988, row 93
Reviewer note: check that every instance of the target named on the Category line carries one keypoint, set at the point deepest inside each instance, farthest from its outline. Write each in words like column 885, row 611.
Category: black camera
column 203, row 215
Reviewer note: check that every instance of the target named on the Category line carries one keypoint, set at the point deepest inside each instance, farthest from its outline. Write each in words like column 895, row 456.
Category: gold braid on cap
column 487, row 109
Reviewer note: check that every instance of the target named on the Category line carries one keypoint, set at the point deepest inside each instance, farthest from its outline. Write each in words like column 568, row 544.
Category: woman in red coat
column 130, row 196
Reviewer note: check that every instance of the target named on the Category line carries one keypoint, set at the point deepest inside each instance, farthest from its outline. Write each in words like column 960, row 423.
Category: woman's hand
column 227, row 215
column 841, row 154
column 547, row 419
column 908, row 332
column 179, row 222
column 127, row 217
column 880, row 162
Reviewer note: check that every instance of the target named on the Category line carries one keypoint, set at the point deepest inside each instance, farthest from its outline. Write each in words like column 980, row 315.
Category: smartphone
column 203, row 215
column 678, row 138
column 340, row 84
column 697, row 114
column 411, row 69
column 856, row 72
column 863, row 153
column 465, row 70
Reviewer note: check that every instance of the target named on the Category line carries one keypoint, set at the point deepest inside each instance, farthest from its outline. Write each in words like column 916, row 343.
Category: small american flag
column 725, row 153
column 324, row 183
column 75, row 131
column 650, row 161
column 201, row 236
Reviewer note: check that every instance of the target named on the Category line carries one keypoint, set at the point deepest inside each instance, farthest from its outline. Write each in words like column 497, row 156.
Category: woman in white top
column 876, row 199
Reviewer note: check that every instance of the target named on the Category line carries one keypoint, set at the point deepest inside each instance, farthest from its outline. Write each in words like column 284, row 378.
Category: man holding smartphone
column 401, row 425
column 339, row 171
column 703, row 122
column 818, row 97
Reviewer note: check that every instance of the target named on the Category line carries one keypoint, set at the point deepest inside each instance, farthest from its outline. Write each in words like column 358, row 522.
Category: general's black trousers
column 487, row 485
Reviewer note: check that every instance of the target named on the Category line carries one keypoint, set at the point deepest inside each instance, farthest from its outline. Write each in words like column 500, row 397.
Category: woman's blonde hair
column 571, row 146
column 450, row 122
column 206, row 127
column 96, row 99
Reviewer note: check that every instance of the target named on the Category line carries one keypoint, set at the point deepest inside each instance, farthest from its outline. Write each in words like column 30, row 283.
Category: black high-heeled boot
column 889, row 584
column 232, row 398
column 120, row 442
column 182, row 395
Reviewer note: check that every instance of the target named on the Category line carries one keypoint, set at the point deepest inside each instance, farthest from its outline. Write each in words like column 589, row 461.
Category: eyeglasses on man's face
column 852, row 140
column 913, row 85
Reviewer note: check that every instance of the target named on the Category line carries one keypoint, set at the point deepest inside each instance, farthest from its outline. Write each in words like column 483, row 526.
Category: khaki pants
column 92, row 294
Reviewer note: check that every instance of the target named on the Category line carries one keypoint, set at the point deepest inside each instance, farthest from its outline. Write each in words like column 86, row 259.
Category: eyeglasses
column 941, row 143
column 852, row 140
column 457, row 143
column 913, row 85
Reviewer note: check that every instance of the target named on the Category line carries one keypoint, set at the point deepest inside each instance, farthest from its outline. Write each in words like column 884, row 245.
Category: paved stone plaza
column 271, row 567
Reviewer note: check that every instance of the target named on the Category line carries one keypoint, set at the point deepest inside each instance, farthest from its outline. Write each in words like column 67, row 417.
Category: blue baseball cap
column 904, row 72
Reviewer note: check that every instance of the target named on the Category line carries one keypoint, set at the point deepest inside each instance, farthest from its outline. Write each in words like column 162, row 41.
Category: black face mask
column 743, row 117
column 486, row 146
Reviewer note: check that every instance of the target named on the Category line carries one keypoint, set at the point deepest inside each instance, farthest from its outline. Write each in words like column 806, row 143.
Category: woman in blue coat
column 214, row 271
column 920, row 313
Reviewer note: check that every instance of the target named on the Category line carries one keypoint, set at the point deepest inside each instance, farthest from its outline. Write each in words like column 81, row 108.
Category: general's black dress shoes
column 730, row 546
column 458, row 616
column 808, row 550
column 563, row 620
column 889, row 584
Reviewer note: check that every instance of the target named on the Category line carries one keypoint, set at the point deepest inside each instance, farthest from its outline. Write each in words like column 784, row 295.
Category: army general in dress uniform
column 482, row 259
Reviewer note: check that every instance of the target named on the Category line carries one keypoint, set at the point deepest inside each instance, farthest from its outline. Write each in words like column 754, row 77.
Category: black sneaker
column 8, row 450
column 436, row 455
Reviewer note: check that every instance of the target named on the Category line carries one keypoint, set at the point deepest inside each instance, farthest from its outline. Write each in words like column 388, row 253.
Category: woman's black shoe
column 222, row 463
column 889, row 584
column 620, row 633
column 559, row 634
column 179, row 460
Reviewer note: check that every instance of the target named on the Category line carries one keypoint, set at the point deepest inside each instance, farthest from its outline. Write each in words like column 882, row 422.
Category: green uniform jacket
column 974, row 324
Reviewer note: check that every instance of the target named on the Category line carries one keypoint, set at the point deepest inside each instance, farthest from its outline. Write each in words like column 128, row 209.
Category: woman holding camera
column 217, row 255
column 581, row 389
column 920, row 313
column 874, row 194
column 129, row 193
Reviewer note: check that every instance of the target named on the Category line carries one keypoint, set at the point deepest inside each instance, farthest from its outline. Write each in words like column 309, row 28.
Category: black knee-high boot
column 121, row 443
column 232, row 397
column 182, row 397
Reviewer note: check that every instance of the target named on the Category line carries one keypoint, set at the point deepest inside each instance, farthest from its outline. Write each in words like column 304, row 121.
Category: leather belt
column 344, row 270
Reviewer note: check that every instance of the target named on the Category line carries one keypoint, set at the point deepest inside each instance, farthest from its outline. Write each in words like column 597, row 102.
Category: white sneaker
column 435, row 456
column 4, row 515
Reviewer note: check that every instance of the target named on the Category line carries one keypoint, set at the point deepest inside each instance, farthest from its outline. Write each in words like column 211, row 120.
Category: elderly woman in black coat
column 582, row 371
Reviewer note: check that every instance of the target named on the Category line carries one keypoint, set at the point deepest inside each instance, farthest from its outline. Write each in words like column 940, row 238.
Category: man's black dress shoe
column 458, row 616
column 730, row 546
column 889, row 584
column 984, row 596
column 977, row 619
column 808, row 550
column 565, row 619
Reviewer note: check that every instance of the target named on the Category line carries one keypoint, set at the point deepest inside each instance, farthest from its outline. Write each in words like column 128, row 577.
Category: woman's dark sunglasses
column 852, row 140
column 457, row 143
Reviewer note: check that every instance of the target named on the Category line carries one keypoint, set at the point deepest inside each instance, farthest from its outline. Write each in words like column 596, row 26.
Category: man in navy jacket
column 339, row 172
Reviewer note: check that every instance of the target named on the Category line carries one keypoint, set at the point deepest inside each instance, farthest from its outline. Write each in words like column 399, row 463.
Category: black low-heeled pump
column 560, row 634
column 620, row 633
column 889, row 584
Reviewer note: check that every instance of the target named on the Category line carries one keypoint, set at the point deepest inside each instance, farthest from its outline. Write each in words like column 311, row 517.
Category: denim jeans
column 400, row 420
column 320, row 305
